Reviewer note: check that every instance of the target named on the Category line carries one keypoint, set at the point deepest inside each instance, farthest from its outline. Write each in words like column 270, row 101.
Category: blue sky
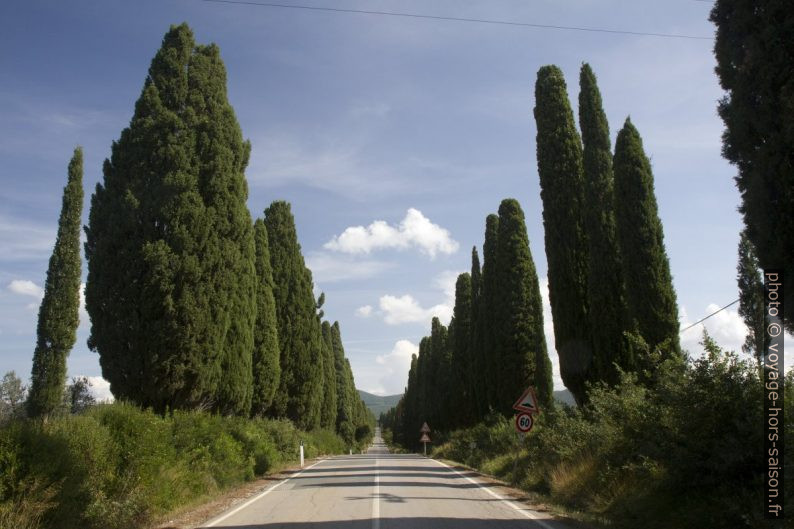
column 425, row 125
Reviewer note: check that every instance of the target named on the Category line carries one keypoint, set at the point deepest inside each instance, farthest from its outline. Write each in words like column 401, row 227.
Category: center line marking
column 376, row 498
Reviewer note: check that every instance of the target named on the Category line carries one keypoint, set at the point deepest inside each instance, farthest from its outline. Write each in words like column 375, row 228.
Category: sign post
column 527, row 407
column 424, row 430
column 301, row 453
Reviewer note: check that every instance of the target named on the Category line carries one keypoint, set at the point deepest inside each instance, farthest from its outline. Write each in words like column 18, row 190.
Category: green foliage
column 329, row 404
column 170, row 244
column 462, row 375
column 300, row 338
column 678, row 453
column 58, row 312
column 650, row 294
column 485, row 338
column 605, row 288
column 122, row 468
column 12, row 397
column 521, row 358
column 559, row 155
column 751, row 297
column 345, row 400
column 753, row 49
column 265, row 357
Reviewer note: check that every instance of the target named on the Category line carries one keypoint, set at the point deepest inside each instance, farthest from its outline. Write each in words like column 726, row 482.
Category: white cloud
column 25, row 287
column 415, row 230
column 364, row 312
column 726, row 327
column 100, row 389
column 330, row 269
column 405, row 309
column 395, row 367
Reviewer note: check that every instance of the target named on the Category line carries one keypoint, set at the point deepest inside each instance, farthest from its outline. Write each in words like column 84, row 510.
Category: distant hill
column 565, row 396
column 378, row 404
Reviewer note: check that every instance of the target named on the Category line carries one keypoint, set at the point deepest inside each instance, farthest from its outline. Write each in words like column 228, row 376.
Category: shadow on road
column 399, row 523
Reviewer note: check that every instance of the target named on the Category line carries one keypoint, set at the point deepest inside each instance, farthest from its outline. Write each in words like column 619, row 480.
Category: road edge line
column 511, row 503
column 214, row 521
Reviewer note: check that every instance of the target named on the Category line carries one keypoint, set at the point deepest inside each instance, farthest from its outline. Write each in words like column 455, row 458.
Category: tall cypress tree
column 300, row 339
column 754, row 50
column 485, row 337
column 559, row 154
column 604, row 280
column 170, row 250
column 462, row 374
column 344, row 393
column 649, row 287
column 475, row 360
column 329, row 404
column 522, row 359
column 751, row 297
column 58, row 313
column 265, row 359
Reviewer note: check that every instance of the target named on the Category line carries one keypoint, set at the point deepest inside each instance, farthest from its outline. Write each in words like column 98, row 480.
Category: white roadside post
column 301, row 453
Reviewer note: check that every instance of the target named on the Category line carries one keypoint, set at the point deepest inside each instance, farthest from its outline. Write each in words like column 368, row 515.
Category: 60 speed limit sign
column 524, row 422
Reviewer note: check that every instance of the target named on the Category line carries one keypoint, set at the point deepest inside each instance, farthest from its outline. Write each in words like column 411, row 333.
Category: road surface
column 378, row 490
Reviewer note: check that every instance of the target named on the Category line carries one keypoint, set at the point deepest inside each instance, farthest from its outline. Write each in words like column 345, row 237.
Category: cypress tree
column 751, row 297
column 485, row 337
column 475, row 360
column 329, row 404
column 650, row 296
column 423, row 400
column 463, row 401
column 344, row 404
column 559, row 155
column 522, row 358
column 300, row 338
column 754, row 49
column 265, row 361
column 170, row 249
column 58, row 312
column 604, row 280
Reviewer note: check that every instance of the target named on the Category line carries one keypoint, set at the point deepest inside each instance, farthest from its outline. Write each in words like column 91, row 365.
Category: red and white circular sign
column 524, row 422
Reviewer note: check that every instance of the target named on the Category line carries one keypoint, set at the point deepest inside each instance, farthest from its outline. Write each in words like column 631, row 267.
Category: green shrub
column 119, row 467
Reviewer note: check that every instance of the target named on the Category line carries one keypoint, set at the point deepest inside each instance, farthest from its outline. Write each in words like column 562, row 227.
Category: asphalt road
column 379, row 490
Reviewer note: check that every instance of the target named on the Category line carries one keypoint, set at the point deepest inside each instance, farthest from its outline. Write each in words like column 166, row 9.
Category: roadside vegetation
column 683, row 452
column 115, row 466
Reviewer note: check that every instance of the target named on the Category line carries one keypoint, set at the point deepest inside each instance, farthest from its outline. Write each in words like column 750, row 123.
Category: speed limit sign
column 524, row 422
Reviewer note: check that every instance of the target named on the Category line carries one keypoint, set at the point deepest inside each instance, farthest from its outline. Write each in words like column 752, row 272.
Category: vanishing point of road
column 379, row 490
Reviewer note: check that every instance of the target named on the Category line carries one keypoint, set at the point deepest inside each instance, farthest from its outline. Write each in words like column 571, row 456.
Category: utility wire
column 457, row 19
column 709, row 316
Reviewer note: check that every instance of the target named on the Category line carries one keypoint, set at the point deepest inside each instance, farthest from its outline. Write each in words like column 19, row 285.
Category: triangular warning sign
column 425, row 428
column 528, row 402
column 425, row 438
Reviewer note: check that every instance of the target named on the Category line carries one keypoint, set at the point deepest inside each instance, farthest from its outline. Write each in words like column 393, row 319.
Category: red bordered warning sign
column 528, row 402
column 524, row 422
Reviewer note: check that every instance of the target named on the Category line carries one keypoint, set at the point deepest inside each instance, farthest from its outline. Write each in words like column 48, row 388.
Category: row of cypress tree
column 494, row 346
column 610, row 287
column 193, row 304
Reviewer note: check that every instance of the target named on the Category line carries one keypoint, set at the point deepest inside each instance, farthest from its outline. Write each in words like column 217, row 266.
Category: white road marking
column 239, row 508
column 376, row 498
column 520, row 508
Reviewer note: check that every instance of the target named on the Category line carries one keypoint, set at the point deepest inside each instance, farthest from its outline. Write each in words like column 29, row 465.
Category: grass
column 118, row 467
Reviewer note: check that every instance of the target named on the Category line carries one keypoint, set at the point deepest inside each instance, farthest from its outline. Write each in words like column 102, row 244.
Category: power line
column 458, row 19
column 709, row 316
